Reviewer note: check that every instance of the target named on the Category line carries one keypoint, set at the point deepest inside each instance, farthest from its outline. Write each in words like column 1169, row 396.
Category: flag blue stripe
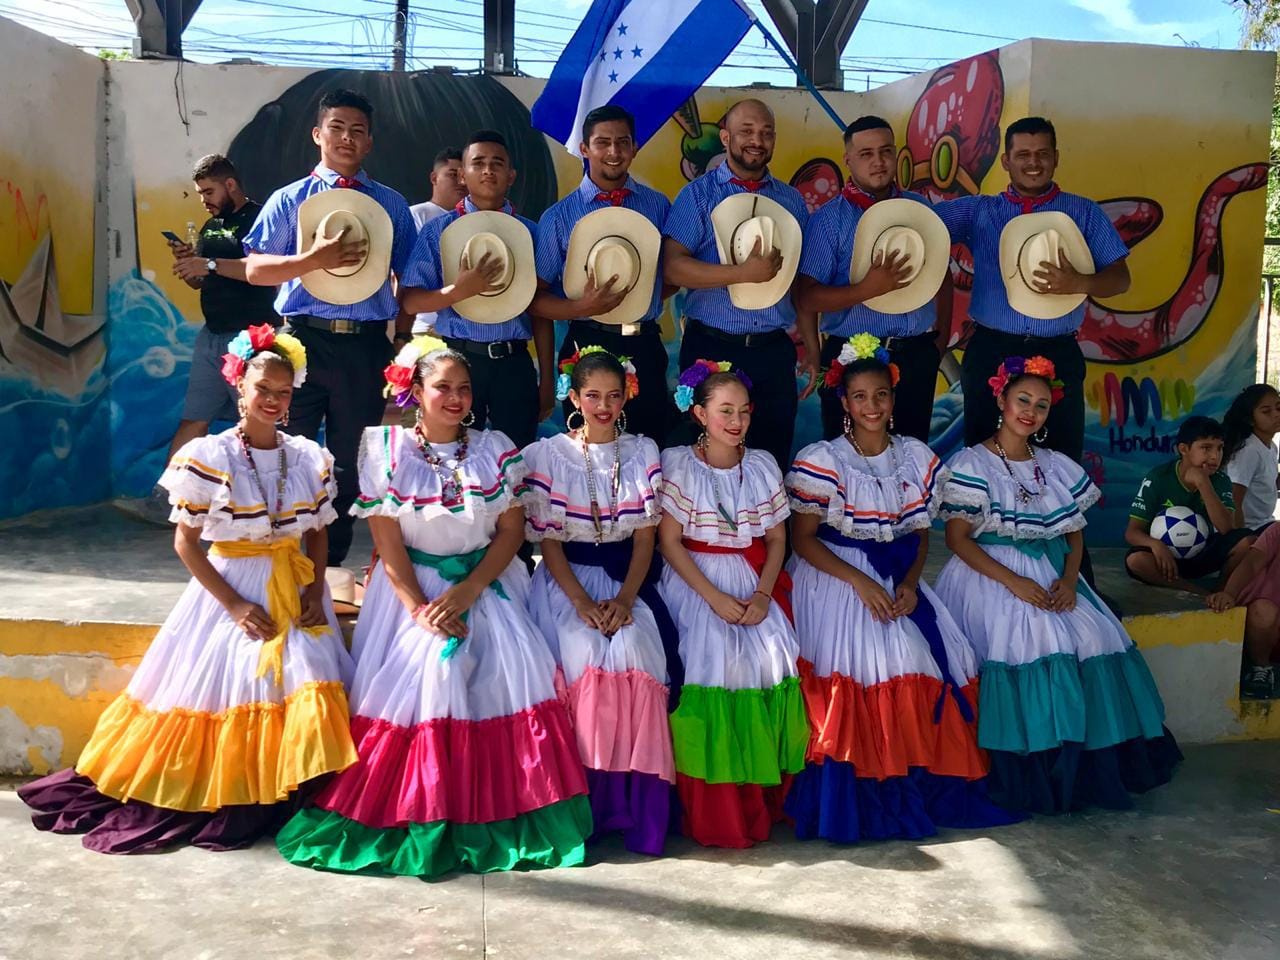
column 554, row 110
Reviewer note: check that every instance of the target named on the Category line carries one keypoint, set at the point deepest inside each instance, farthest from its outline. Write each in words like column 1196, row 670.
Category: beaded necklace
column 891, row 447
column 1024, row 495
column 615, row 482
column 275, row 518
column 729, row 522
column 450, row 477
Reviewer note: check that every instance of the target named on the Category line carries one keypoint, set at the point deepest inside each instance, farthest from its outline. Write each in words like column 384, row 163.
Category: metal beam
column 816, row 32
column 500, row 36
column 160, row 24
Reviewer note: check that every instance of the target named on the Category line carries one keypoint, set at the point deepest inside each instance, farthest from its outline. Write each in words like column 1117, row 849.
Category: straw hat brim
column 1022, row 296
column 364, row 282
column 515, row 299
column 732, row 211
column 902, row 212
column 600, row 225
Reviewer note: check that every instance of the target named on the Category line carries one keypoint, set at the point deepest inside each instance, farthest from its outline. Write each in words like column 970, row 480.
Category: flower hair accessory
column 247, row 344
column 1014, row 367
column 399, row 373
column 701, row 369
column 565, row 381
column 861, row 346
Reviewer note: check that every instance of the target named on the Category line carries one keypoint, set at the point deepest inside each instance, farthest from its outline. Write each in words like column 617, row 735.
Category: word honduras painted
column 247, row 344
column 564, row 382
column 861, row 346
column 701, row 369
column 648, row 56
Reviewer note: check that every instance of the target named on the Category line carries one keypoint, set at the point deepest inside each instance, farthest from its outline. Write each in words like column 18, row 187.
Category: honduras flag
column 645, row 55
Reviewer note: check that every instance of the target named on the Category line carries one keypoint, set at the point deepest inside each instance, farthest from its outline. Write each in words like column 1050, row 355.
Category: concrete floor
column 99, row 564
column 1192, row 874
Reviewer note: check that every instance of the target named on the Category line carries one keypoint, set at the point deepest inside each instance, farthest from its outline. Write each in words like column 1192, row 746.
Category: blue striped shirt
column 557, row 223
column 977, row 221
column 425, row 271
column 689, row 224
column 828, row 251
column 276, row 232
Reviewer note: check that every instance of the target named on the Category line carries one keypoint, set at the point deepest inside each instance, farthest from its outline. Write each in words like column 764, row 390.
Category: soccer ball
column 1182, row 530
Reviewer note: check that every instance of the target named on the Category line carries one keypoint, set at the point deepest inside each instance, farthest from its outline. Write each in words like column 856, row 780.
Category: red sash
column 755, row 555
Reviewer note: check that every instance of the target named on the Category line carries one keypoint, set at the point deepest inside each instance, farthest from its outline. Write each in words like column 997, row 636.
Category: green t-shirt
column 1162, row 489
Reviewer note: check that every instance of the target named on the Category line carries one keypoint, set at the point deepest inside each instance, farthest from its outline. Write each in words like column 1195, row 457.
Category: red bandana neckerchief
column 863, row 200
column 1029, row 204
column 614, row 197
column 751, row 186
column 350, row 183
column 461, row 208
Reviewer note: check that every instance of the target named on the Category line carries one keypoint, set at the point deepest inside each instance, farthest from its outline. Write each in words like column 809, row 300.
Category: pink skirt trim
column 621, row 722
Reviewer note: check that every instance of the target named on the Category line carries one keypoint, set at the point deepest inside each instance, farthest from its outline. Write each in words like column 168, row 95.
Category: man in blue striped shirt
column 505, row 391
column 913, row 339
column 608, row 144
column 1031, row 159
column 347, row 344
column 755, row 340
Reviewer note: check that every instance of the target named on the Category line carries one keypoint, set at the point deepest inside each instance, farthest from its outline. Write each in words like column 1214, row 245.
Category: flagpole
column 804, row 78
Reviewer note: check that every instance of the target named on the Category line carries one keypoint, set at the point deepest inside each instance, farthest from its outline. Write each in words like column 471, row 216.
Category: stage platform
column 82, row 591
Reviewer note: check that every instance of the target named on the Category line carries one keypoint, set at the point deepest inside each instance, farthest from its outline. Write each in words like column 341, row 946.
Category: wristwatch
column 211, row 265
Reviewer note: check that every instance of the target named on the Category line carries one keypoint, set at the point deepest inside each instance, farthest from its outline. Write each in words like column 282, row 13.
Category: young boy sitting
column 1193, row 480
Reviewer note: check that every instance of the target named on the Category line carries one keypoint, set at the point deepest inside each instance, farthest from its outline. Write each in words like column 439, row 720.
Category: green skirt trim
column 740, row 736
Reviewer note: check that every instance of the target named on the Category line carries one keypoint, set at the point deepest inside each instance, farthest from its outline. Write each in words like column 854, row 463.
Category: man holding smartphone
column 215, row 267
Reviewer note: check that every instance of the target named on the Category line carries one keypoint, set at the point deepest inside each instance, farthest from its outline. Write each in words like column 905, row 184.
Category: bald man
column 757, row 341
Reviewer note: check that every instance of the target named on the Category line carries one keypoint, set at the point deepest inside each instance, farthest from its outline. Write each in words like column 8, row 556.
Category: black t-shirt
column 232, row 305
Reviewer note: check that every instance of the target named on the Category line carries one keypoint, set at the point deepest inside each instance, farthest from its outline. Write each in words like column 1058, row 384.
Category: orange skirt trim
column 197, row 761
column 888, row 727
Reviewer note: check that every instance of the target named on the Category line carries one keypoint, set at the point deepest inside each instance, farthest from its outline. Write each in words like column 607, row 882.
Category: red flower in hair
column 833, row 375
column 262, row 336
column 232, row 368
column 400, row 378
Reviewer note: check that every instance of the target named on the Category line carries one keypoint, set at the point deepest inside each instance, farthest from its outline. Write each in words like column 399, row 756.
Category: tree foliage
column 1260, row 29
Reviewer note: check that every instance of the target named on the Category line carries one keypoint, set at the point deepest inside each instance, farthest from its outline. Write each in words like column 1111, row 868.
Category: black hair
column 428, row 362
column 1033, row 126
column 869, row 122
column 702, row 392
column 445, row 155
column 1198, row 428
column 486, row 136
column 604, row 115
column 595, row 362
column 867, row 365
column 1237, row 422
column 344, row 98
column 268, row 358
column 1014, row 381
column 214, row 167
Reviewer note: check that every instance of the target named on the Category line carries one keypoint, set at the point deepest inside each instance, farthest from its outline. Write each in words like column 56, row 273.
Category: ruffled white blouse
column 709, row 501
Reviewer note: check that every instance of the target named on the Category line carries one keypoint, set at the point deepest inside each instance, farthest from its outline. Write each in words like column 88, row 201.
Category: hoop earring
column 701, row 442
column 620, row 425
column 891, row 422
column 999, row 421
column 568, row 421
column 242, row 407
column 848, row 424
column 1041, row 435
column 470, row 419
column 284, row 421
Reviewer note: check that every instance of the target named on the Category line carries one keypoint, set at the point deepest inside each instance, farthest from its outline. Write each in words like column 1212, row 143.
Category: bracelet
column 763, row 594
column 418, row 610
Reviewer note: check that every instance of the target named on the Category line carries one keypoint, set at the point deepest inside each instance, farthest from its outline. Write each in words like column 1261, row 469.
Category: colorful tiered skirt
column 467, row 759
column 1068, row 712
column 740, row 730
column 616, row 692
column 894, row 751
column 201, row 749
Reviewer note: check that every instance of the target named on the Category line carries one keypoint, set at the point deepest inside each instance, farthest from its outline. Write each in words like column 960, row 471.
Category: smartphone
column 171, row 236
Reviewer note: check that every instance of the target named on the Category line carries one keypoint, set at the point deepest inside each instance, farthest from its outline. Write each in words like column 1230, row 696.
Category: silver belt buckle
column 344, row 326
column 497, row 343
column 630, row 329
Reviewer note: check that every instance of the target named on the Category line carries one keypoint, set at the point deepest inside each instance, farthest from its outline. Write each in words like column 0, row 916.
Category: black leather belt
column 620, row 329
column 494, row 350
column 367, row 327
column 741, row 339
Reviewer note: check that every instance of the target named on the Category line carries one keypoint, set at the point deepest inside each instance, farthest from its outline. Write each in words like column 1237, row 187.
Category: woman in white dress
column 240, row 698
column 1067, row 711
column 889, row 680
column 591, row 498
column 740, row 730
column 466, row 755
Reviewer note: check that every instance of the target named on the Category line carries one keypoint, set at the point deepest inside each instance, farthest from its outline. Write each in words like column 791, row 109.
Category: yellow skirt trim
column 197, row 761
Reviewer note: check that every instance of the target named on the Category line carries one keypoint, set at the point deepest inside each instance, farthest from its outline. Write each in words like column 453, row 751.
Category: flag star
column 613, row 76
column 617, row 54
column 603, row 55
column 622, row 29
column 636, row 51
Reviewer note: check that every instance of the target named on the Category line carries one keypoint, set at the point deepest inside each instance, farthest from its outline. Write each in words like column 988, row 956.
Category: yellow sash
column 291, row 570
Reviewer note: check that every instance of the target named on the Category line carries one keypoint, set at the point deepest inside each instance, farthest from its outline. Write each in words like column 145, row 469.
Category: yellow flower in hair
column 864, row 345
column 291, row 348
column 725, row 366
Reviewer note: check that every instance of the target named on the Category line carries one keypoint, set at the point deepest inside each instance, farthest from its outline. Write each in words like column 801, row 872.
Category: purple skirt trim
column 638, row 804
column 66, row 802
